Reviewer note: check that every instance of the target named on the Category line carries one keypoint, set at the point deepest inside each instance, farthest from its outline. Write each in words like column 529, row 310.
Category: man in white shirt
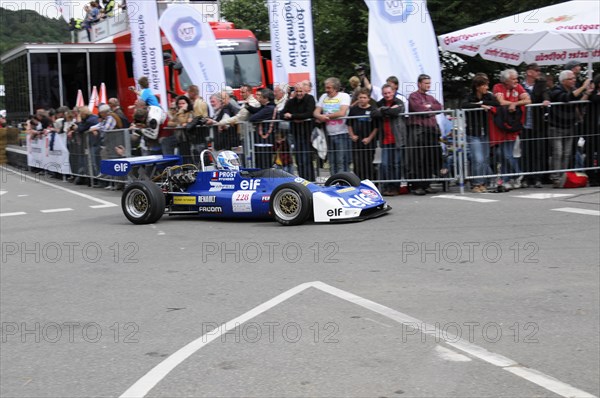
column 332, row 109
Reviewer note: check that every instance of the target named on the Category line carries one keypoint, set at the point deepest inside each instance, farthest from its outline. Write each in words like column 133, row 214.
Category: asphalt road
column 442, row 297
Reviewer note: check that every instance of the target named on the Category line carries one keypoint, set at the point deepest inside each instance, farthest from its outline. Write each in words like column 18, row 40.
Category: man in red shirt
column 423, row 138
column 512, row 95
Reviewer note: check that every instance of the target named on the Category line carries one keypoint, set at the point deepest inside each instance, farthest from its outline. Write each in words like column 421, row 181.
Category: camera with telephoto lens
column 360, row 68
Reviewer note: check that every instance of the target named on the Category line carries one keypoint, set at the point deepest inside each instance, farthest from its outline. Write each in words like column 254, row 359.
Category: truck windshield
column 240, row 68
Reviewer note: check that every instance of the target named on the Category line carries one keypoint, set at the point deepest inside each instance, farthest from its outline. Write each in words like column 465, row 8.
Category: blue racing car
column 219, row 188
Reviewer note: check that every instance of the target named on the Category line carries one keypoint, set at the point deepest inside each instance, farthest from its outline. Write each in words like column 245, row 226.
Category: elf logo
column 334, row 212
column 359, row 200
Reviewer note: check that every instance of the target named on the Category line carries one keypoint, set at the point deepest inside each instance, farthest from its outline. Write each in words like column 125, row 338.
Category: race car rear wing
column 123, row 166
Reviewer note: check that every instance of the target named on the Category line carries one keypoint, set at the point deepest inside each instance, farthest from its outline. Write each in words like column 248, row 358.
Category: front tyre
column 345, row 179
column 291, row 204
column 143, row 202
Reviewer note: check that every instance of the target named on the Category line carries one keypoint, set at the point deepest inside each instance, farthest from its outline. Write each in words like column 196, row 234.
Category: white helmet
column 228, row 160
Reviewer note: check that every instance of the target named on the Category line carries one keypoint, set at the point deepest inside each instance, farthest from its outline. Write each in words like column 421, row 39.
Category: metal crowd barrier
column 555, row 139
column 461, row 148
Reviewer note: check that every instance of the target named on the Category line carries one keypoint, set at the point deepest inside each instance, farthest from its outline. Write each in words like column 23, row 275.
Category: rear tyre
column 291, row 204
column 345, row 179
column 143, row 202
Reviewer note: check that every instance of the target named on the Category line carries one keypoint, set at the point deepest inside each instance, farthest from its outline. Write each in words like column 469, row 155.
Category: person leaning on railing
column 425, row 154
column 299, row 111
column 562, row 120
column 477, row 129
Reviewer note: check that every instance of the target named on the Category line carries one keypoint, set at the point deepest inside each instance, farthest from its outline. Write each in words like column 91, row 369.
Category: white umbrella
column 551, row 35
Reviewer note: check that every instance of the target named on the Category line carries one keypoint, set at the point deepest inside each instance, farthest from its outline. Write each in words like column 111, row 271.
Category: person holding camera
column 361, row 71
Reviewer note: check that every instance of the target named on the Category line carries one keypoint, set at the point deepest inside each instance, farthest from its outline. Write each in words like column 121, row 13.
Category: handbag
column 319, row 142
column 378, row 154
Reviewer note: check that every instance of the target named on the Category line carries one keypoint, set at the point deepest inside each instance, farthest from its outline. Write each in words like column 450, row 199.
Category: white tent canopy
column 551, row 35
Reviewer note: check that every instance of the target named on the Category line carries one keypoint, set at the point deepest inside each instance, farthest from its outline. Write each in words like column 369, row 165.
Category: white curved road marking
column 141, row 387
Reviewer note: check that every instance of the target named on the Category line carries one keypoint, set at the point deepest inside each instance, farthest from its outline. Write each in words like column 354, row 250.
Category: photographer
column 361, row 72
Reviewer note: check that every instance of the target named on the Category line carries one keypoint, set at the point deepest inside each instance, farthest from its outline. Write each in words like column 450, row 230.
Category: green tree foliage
column 27, row 26
column 248, row 14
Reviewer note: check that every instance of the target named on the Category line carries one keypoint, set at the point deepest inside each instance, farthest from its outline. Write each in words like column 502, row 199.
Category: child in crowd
column 283, row 158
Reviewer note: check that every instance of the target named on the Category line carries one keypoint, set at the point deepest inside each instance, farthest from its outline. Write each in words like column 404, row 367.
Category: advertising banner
column 146, row 46
column 402, row 43
column 292, row 49
column 194, row 42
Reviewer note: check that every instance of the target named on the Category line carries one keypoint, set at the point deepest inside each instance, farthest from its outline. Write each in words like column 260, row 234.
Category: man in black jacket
column 298, row 109
column 562, row 120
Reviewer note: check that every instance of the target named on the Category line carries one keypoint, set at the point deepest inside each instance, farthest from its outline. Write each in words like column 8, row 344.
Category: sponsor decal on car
column 359, row 200
column 184, row 200
column 335, row 212
column 250, row 185
column 265, row 198
column 207, row 199
column 370, row 193
column 210, row 209
column 224, row 175
column 349, row 189
column 216, row 186
column 241, row 201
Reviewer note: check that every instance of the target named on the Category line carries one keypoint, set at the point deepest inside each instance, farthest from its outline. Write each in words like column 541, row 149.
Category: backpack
column 509, row 122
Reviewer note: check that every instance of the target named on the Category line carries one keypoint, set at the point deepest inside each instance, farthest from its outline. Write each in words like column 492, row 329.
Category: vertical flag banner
column 402, row 43
column 292, row 49
column 146, row 46
column 194, row 42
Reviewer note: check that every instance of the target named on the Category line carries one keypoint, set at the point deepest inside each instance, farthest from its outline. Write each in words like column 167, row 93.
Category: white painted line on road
column 450, row 355
column 21, row 196
column 103, row 203
column 549, row 382
column 18, row 213
column 56, row 210
column 154, row 376
column 2, row 192
column 543, row 195
column 467, row 198
column 579, row 211
column 501, row 361
column 141, row 387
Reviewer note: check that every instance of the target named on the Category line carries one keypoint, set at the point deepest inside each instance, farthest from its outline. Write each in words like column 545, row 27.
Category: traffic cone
column 93, row 105
column 103, row 99
column 79, row 101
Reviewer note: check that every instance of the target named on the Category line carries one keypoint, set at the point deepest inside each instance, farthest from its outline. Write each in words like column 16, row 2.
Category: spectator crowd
column 517, row 130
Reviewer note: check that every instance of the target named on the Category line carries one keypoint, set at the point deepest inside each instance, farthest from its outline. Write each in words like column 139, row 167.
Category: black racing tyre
column 344, row 179
column 291, row 204
column 143, row 202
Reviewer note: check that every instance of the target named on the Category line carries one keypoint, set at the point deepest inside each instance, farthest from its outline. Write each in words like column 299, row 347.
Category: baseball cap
column 572, row 64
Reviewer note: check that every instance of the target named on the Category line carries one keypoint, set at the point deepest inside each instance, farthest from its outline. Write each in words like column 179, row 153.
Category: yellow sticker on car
column 184, row 200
